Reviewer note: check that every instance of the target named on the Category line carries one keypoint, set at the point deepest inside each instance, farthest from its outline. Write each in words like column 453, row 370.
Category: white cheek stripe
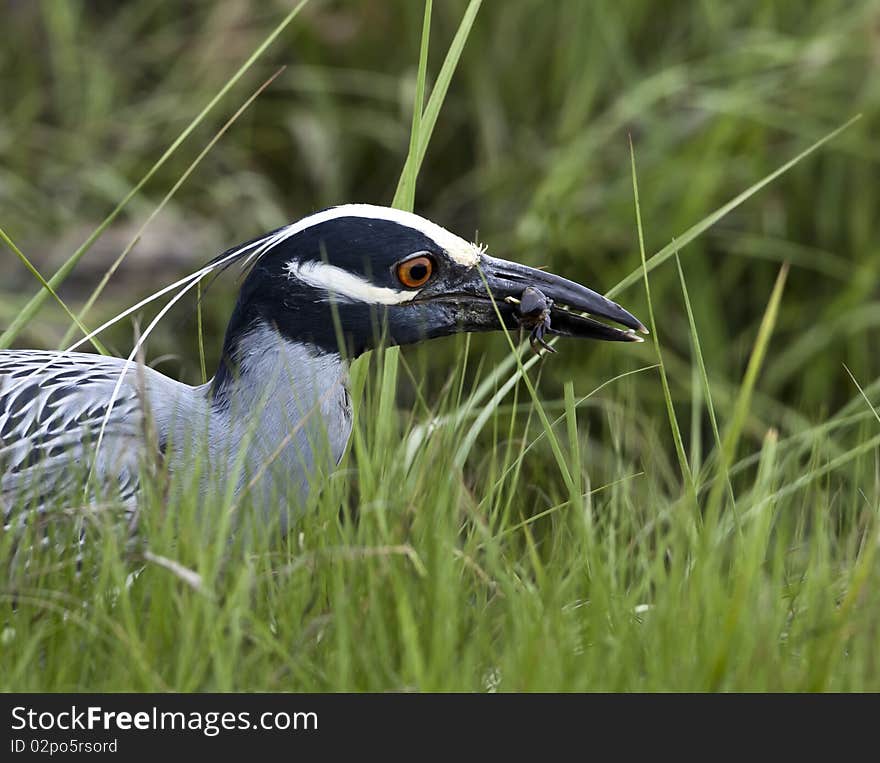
column 344, row 285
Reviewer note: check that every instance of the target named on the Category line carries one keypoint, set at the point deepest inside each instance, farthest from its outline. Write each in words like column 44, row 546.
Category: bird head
column 361, row 274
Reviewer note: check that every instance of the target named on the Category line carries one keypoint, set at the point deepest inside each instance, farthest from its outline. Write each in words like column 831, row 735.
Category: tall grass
column 696, row 514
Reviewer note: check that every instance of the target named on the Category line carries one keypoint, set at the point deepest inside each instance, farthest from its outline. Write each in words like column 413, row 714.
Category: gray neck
column 287, row 404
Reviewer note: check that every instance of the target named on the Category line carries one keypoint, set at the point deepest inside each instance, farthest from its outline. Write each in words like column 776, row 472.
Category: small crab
column 533, row 308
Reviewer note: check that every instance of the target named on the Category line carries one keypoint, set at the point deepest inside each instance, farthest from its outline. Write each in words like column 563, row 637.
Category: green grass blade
column 862, row 393
column 438, row 95
column 707, row 222
column 422, row 128
column 404, row 198
column 555, row 446
column 724, row 472
column 667, row 394
column 575, row 495
column 744, row 398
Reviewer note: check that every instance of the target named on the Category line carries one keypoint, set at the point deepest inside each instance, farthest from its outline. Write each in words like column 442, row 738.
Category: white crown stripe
column 459, row 250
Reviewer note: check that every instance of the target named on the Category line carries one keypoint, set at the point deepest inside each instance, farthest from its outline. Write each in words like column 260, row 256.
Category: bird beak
column 573, row 311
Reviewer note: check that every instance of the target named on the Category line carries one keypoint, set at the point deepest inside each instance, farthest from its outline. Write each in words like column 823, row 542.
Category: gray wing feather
column 52, row 406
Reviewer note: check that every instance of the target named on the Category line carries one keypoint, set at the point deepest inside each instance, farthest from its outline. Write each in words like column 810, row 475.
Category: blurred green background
column 530, row 152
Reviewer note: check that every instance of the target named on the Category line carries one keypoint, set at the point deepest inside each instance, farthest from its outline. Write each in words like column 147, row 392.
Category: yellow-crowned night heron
column 318, row 292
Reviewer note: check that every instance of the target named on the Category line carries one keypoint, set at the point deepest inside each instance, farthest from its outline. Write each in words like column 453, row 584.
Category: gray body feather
column 284, row 410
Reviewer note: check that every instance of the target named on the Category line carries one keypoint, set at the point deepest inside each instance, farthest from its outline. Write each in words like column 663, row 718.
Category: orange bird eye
column 415, row 271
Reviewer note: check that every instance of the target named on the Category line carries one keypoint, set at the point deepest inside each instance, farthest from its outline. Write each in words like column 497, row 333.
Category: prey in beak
column 534, row 312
